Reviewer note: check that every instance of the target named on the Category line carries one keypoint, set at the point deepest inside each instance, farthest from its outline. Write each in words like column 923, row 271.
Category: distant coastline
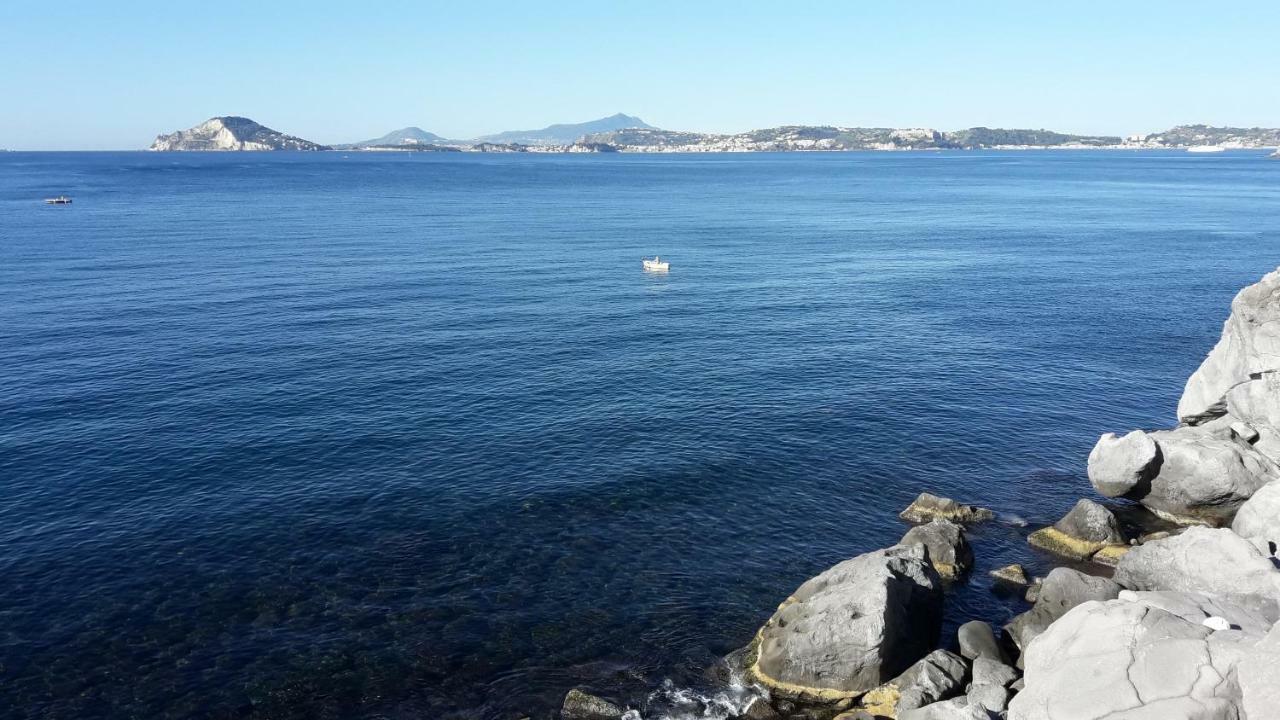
column 629, row 134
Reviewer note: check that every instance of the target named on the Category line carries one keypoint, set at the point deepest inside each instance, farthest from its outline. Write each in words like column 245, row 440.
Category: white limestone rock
column 1119, row 464
column 1258, row 520
column 231, row 133
column 1205, row 474
column 1200, row 560
column 1249, row 347
column 1258, row 676
column 1125, row 659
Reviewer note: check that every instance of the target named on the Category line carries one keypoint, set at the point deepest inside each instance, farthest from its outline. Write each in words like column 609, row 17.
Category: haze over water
column 413, row 436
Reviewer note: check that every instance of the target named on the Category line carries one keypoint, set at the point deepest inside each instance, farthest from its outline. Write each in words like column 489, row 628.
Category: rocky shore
column 1180, row 623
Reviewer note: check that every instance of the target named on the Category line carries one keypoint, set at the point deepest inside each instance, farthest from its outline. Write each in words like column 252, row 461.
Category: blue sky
column 106, row 75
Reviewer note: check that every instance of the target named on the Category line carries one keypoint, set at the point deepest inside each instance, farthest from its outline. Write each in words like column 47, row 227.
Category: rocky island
column 231, row 133
column 1182, row 623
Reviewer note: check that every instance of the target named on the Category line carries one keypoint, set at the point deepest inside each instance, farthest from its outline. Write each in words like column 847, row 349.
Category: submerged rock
column 927, row 507
column 1085, row 530
column 1011, row 575
column 1117, row 465
column 852, row 627
column 579, row 705
column 1200, row 560
column 949, row 550
column 1062, row 590
column 936, row 676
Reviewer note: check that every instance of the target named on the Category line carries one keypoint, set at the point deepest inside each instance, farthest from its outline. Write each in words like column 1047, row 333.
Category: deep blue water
column 412, row 436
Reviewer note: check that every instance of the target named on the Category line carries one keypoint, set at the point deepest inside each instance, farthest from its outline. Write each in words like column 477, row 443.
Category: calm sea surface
column 413, row 436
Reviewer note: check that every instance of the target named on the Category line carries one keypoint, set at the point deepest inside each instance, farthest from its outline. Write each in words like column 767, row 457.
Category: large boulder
column 949, row 550
column 1118, row 465
column 1128, row 658
column 1258, row 520
column 936, row 676
column 1083, row 531
column 927, row 507
column 1206, row 473
column 1249, row 347
column 1200, row 560
column 851, row 628
column 1062, row 590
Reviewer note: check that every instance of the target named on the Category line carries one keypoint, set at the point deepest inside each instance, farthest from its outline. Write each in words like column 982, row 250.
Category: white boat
column 657, row 264
column 60, row 200
column 1205, row 149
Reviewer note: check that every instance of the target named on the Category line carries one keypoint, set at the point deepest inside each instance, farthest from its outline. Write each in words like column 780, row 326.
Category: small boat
column 60, row 200
column 657, row 264
column 1205, row 149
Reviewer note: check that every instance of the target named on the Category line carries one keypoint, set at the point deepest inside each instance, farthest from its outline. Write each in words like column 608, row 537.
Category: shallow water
column 414, row 437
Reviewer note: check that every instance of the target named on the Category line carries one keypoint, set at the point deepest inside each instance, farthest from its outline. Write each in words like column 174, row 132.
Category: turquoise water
column 412, row 436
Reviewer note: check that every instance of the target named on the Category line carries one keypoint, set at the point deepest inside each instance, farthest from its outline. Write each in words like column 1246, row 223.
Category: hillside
column 403, row 136
column 565, row 133
column 231, row 133
column 1191, row 135
column 824, row 137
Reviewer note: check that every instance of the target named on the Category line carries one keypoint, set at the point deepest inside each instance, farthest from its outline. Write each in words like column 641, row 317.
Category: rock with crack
column 927, row 507
column 1249, row 348
column 1200, row 560
column 1253, row 614
column 1125, row 658
column 1258, row 520
column 1117, row 465
column 851, row 628
column 948, row 548
column 1061, row 591
column 579, row 705
column 1083, row 531
column 937, row 676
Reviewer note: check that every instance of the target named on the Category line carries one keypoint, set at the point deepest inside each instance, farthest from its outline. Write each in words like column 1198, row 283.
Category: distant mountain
column 789, row 138
column 403, row 136
column 1192, row 135
column 231, row 133
column 565, row 134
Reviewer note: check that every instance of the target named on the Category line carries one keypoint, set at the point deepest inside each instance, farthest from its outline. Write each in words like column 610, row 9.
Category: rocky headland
column 1181, row 623
column 231, row 133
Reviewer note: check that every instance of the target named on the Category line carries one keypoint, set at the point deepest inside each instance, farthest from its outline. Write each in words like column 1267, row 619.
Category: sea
column 413, row 435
